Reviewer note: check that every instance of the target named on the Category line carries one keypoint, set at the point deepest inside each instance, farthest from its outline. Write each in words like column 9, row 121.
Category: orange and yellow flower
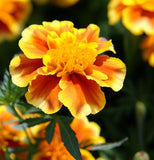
column 12, row 17
column 136, row 15
column 10, row 136
column 147, row 46
column 88, row 134
column 64, row 65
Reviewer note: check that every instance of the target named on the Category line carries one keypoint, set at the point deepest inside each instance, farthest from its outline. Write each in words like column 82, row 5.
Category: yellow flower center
column 69, row 54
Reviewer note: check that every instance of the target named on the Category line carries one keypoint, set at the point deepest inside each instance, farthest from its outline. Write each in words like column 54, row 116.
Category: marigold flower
column 62, row 65
column 142, row 20
column 10, row 136
column 12, row 16
column 56, row 149
column 147, row 46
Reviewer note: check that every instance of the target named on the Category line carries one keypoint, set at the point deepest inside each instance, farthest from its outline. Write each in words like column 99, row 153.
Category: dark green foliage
column 68, row 137
column 50, row 130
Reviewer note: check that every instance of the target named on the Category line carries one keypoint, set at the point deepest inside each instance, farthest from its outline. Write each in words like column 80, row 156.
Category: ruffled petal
column 91, row 33
column 105, row 45
column 59, row 26
column 141, row 21
column 34, row 41
column 43, row 93
column 80, row 95
column 86, row 155
column 23, row 69
column 113, row 68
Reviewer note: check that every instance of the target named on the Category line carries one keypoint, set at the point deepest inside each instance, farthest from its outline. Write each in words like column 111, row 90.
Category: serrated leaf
column 107, row 146
column 50, row 131
column 30, row 122
column 68, row 137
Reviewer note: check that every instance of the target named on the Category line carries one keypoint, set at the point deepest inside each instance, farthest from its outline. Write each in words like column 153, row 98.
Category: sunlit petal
column 34, row 41
column 23, row 69
column 80, row 95
column 43, row 93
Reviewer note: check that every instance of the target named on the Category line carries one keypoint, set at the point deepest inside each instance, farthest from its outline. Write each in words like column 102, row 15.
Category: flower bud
column 141, row 156
column 140, row 111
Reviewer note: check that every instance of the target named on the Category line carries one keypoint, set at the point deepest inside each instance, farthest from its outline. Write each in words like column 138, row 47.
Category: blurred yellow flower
column 136, row 15
column 10, row 136
column 147, row 47
column 13, row 14
column 62, row 65
column 88, row 134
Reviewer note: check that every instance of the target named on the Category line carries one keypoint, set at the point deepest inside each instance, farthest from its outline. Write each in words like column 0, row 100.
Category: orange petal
column 114, row 69
column 91, row 132
column 23, row 69
column 43, row 93
column 34, row 41
column 91, row 33
column 80, row 95
column 59, row 26
column 141, row 21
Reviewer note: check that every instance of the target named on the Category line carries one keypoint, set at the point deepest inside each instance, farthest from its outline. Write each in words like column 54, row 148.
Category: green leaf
column 50, row 131
column 108, row 146
column 30, row 122
column 68, row 137
column 9, row 92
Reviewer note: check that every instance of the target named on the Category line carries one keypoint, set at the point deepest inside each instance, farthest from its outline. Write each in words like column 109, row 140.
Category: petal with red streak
column 34, row 41
column 23, row 69
column 80, row 95
column 113, row 68
column 43, row 93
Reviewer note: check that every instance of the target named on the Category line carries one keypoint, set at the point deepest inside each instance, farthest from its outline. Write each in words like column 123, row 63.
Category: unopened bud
column 140, row 111
column 141, row 156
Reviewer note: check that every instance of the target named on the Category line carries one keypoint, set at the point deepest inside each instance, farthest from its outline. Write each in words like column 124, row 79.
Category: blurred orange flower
column 12, row 17
column 10, row 136
column 62, row 65
column 137, row 15
column 147, row 46
column 56, row 150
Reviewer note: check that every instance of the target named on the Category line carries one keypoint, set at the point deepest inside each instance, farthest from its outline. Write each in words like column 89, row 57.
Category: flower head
column 142, row 155
column 56, row 149
column 12, row 17
column 147, row 47
column 142, row 20
column 62, row 65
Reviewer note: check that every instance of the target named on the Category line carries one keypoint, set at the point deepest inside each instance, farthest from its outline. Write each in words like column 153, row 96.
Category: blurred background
column 129, row 112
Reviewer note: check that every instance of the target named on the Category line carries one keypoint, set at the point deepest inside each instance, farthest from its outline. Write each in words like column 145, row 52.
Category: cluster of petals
column 136, row 15
column 88, row 134
column 63, row 65
column 59, row 3
column 147, row 47
column 13, row 14
column 9, row 135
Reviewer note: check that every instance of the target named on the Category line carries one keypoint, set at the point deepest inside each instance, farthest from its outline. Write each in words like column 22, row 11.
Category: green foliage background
column 119, row 117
